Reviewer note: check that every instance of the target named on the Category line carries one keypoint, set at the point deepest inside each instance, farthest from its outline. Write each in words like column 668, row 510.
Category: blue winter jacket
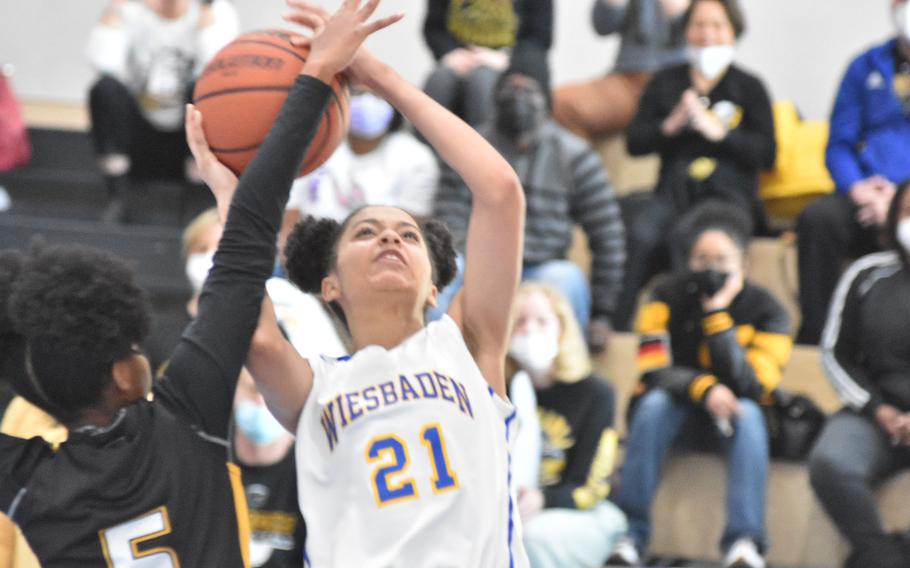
column 870, row 134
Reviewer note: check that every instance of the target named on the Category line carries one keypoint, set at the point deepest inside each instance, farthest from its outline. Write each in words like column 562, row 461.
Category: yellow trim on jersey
column 596, row 487
column 242, row 511
column 653, row 318
column 717, row 322
column 700, row 385
column 445, row 456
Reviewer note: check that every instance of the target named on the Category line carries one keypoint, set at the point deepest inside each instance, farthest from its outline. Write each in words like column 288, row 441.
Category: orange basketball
column 242, row 89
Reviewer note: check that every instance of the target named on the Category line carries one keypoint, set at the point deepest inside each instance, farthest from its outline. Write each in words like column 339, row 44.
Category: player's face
column 709, row 25
column 382, row 250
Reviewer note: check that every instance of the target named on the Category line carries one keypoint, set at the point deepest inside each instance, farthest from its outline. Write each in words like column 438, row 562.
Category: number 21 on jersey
column 391, row 455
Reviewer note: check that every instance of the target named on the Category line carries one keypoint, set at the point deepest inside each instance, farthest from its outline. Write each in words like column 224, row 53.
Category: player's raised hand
column 336, row 37
column 220, row 180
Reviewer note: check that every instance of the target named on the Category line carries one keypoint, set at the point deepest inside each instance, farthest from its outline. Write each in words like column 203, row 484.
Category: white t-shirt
column 403, row 459
column 402, row 172
column 157, row 58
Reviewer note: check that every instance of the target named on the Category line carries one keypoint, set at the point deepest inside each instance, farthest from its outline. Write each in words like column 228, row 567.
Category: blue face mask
column 370, row 116
column 257, row 423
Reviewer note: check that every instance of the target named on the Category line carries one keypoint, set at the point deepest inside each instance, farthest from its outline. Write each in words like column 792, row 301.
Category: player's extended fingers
column 195, row 135
column 306, row 19
column 309, row 7
column 367, row 10
column 382, row 23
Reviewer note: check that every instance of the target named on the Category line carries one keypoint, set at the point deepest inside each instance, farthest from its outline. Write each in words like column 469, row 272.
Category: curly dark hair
column 312, row 250
column 718, row 216
column 68, row 314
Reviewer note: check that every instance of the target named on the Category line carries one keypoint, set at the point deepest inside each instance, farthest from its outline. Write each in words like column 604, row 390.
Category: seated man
column 147, row 53
column 868, row 152
column 564, row 185
column 470, row 40
column 712, row 346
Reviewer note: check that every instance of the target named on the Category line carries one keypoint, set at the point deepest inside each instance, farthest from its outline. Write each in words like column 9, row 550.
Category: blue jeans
column 563, row 275
column 657, row 422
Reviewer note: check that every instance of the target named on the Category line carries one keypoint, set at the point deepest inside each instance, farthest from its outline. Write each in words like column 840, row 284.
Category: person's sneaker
column 744, row 554
column 624, row 553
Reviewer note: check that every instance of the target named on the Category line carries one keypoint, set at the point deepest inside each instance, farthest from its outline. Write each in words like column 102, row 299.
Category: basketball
column 240, row 93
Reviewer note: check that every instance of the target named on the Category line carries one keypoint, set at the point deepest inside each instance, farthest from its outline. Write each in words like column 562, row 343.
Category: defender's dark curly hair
column 718, row 216
column 312, row 250
column 68, row 313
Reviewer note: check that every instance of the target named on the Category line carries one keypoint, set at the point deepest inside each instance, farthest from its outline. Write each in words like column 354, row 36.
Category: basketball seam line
column 233, row 90
column 326, row 114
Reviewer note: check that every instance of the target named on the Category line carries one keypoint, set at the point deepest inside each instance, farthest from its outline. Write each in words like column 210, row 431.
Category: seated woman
column 712, row 125
column 712, row 346
column 865, row 355
column 568, row 522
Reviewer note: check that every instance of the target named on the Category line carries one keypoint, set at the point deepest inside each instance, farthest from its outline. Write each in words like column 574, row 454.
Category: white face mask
column 370, row 116
column 198, row 265
column 902, row 20
column 713, row 60
column 903, row 234
column 535, row 352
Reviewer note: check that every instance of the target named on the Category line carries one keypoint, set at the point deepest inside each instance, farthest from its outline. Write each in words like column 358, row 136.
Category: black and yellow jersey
column 579, row 442
column 687, row 351
column 157, row 487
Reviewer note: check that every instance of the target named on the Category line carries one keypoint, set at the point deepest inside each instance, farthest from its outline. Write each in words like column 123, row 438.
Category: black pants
column 851, row 456
column 118, row 127
column 828, row 236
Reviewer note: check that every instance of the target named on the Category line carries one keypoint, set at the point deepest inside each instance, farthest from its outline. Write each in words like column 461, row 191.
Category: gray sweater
column 565, row 184
column 650, row 40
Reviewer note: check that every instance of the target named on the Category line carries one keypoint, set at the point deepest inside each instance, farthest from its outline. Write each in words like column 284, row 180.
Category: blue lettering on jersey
column 328, row 425
column 443, row 387
column 423, row 379
column 350, row 406
column 407, row 391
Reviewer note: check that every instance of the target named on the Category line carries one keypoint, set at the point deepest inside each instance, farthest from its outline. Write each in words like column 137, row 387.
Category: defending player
column 405, row 443
column 139, row 482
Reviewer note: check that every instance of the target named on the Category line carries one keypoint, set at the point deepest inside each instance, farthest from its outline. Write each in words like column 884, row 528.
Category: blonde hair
column 198, row 227
column 572, row 362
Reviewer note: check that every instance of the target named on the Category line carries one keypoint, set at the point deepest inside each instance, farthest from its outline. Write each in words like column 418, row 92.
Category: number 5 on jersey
column 391, row 452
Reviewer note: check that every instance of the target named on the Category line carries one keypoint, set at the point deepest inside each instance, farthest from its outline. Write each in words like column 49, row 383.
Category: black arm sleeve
column 842, row 353
column 200, row 380
column 591, row 460
column 436, row 31
column 643, row 136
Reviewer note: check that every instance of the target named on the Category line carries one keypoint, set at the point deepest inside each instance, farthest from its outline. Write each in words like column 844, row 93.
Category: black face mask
column 520, row 113
column 707, row 282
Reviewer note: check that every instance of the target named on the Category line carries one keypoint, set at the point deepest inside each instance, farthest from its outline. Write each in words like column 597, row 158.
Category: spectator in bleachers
column 378, row 164
column 712, row 125
column 866, row 355
column 147, row 53
column 712, row 345
column 567, row 521
column 651, row 38
column 564, row 185
column 868, row 153
column 471, row 42
column 264, row 451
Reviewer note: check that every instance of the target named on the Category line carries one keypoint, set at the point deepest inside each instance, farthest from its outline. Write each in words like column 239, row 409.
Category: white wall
column 800, row 47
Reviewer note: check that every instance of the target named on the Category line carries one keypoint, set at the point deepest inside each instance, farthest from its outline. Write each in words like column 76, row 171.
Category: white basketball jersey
column 403, row 460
